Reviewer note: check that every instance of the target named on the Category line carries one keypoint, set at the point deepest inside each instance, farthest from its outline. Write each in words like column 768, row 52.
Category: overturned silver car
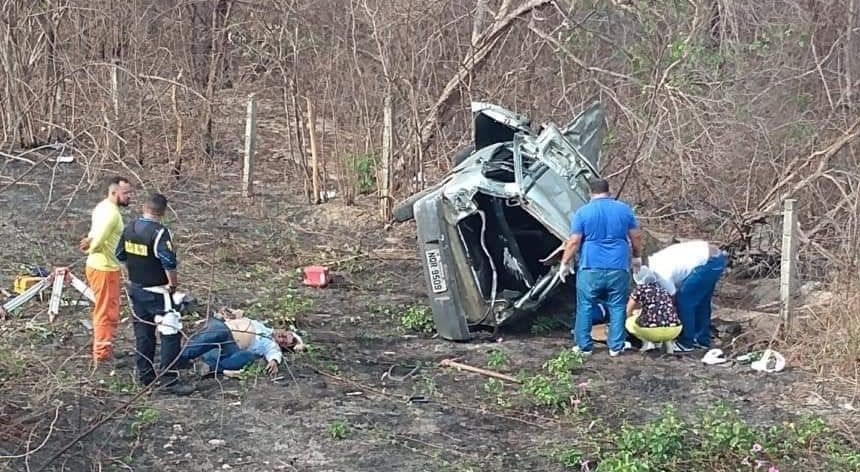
column 486, row 229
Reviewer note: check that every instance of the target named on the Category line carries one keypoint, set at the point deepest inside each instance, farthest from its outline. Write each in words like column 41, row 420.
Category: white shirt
column 673, row 264
column 264, row 345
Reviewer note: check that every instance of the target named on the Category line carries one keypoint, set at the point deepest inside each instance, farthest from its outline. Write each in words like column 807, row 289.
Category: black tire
column 461, row 154
column 403, row 211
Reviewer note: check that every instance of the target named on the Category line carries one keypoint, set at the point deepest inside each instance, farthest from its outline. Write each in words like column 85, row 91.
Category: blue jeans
column 593, row 288
column 215, row 345
column 694, row 301
column 599, row 316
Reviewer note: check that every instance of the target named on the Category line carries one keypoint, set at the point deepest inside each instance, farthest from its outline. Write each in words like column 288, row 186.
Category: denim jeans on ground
column 609, row 288
column 215, row 345
column 694, row 301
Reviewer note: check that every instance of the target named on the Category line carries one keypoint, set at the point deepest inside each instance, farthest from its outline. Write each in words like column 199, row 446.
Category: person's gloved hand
column 563, row 270
column 636, row 264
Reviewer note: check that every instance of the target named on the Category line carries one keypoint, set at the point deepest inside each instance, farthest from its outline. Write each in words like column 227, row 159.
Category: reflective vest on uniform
column 144, row 266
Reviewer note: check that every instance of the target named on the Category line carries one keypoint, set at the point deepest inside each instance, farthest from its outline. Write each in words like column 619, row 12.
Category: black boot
column 174, row 386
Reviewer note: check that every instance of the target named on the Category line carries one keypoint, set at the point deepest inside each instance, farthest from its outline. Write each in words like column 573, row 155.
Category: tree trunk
column 220, row 16
column 478, row 20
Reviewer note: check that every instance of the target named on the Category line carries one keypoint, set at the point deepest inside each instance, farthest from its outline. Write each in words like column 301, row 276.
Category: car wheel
column 403, row 211
column 461, row 154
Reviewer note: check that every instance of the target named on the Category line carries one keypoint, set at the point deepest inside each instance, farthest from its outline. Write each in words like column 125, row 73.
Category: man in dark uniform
column 146, row 251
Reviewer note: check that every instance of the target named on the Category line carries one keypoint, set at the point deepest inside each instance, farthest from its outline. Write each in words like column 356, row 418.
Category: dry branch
column 785, row 188
column 483, row 45
column 477, row 370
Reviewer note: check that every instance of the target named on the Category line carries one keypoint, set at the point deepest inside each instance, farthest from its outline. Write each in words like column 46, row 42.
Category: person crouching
column 651, row 313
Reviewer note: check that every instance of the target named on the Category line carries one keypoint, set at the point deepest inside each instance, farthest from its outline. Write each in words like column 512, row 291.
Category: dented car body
column 486, row 228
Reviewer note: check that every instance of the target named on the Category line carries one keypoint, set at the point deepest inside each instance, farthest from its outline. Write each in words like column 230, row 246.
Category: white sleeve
column 668, row 285
column 273, row 351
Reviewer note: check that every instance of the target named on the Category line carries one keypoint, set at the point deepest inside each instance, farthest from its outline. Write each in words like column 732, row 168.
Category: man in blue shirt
column 602, row 233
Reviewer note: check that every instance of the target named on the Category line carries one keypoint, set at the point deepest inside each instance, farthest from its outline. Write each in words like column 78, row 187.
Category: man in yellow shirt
column 103, row 270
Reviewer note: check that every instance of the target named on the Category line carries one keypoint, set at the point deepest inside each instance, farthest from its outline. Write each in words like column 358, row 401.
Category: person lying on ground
column 690, row 271
column 227, row 346
column 657, row 319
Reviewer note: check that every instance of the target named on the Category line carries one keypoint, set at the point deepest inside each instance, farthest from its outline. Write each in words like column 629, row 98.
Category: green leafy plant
column 417, row 318
column 249, row 374
column 717, row 439
column 557, row 390
column 497, row 359
column 547, row 392
column 495, row 389
column 659, row 441
column 338, row 430
column 569, row 458
column 722, row 429
column 120, row 384
column 143, row 418
column 364, row 166
column 564, row 363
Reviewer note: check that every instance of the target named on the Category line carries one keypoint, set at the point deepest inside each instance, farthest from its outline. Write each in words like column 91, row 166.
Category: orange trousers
column 105, row 286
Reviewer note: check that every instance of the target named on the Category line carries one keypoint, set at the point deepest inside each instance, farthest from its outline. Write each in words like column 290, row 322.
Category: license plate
column 437, row 276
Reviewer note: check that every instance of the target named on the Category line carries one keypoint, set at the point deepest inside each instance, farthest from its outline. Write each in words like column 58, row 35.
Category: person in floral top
column 651, row 313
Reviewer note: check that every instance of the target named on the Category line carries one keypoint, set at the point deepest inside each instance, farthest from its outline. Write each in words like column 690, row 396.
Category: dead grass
column 826, row 339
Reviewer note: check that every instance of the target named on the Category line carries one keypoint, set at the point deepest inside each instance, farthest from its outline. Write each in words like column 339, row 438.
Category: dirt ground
column 339, row 407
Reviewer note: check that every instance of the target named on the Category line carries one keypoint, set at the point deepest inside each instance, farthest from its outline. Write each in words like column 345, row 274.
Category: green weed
column 364, row 166
column 557, row 390
column 564, row 363
column 143, row 418
column 717, row 439
column 120, row 384
column 495, row 389
column 547, row 392
column 497, row 359
column 417, row 318
column 249, row 374
column 338, row 430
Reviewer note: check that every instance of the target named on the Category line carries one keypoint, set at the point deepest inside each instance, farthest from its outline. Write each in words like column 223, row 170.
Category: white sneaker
column 579, row 351
column 627, row 346
column 647, row 346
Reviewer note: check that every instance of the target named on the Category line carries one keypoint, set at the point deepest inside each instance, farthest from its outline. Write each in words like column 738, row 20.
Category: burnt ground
column 333, row 409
